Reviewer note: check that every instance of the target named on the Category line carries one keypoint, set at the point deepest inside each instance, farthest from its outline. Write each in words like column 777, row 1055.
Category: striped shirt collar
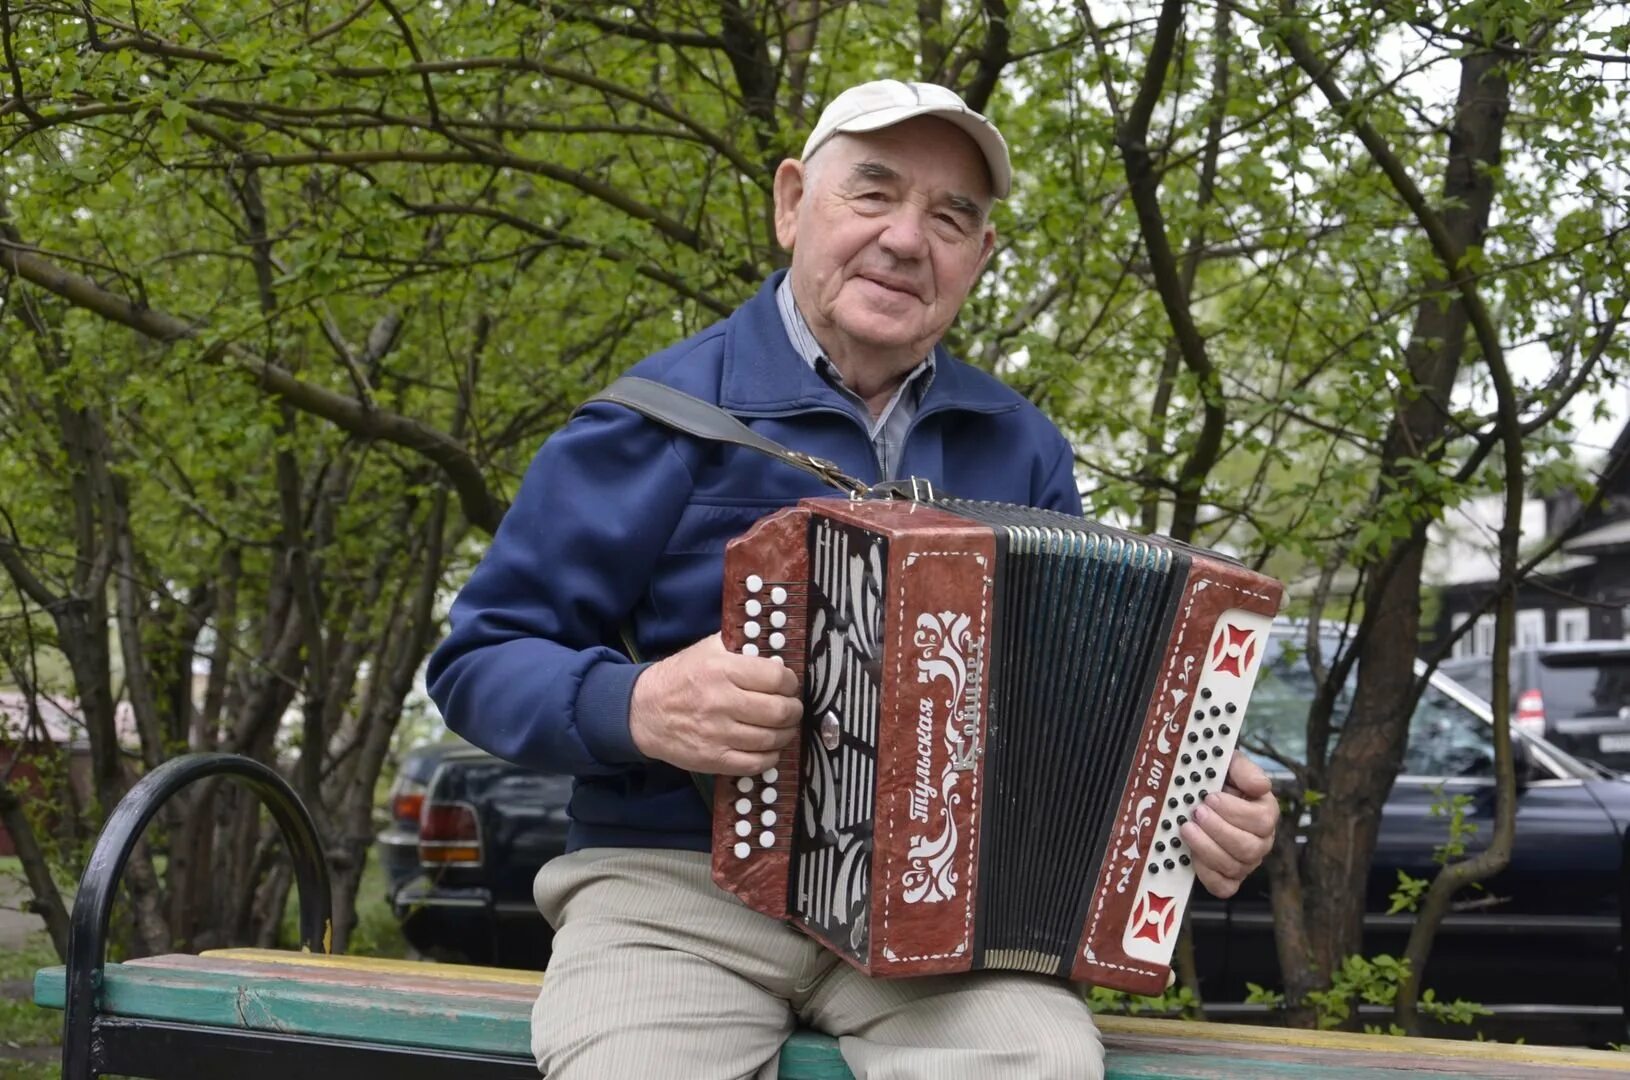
column 804, row 343
column 887, row 430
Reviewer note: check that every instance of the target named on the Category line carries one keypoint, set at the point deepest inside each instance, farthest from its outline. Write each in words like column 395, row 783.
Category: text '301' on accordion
column 1008, row 715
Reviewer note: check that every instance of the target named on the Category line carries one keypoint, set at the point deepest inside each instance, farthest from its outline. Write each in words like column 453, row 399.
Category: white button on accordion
column 1009, row 714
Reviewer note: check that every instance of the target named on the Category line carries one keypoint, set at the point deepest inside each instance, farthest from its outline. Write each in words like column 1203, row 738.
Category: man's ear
column 789, row 192
column 986, row 249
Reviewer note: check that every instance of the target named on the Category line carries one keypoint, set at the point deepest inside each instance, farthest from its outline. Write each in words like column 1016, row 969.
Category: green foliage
column 1454, row 807
column 377, row 932
column 1407, row 896
column 1370, row 981
column 1260, row 995
column 1458, row 1011
column 1177, row 1001
column 514, row 206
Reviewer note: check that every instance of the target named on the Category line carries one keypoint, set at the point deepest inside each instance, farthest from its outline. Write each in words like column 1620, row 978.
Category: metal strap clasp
column 829, row 472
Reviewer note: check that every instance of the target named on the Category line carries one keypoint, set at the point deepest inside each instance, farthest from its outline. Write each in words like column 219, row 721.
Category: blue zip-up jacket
column 620, row 521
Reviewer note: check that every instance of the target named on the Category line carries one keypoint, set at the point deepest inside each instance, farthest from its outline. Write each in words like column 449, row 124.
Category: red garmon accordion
column 1008, row 714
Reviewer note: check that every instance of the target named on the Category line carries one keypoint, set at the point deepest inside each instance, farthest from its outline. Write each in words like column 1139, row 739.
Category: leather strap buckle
column 830, row 473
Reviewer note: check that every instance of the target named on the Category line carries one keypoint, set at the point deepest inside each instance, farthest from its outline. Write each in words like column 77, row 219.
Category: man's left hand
column 1232, row 831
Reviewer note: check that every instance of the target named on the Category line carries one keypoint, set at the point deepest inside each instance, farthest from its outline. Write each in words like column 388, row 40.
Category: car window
column 1276, row 719
column 1587, row 685
column 1445, row 737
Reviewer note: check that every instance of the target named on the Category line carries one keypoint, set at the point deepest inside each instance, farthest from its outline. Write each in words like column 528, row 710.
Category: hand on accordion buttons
column 1232, row 831
column 710, row 710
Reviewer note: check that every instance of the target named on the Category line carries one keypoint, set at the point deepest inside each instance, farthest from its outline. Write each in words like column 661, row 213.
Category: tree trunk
column 1334, row 865
column 47, row 902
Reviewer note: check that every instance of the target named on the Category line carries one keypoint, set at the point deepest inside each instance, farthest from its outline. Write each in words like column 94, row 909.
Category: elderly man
column 619, row 528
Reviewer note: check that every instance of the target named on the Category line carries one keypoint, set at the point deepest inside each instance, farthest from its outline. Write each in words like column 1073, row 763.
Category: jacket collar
column 763, row 374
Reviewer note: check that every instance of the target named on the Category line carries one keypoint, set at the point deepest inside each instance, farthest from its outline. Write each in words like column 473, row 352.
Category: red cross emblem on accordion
column 1009, row 714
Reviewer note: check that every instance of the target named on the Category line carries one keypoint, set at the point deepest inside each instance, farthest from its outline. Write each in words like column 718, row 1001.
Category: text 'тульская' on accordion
column 1008, row 715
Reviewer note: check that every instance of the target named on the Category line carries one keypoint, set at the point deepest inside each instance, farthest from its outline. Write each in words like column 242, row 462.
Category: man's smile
column 893, row 285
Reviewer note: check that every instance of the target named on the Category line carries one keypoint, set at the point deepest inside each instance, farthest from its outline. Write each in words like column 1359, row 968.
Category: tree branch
column 1131, row 137
column 679, row 39
column 670, row 228
column 514, row 221
column 11, row 557
column 20, row 97
column 748, row 50
column 930, row 38
column 481, row 507
column 992, row 57
column 708, row 137
column 156, row 47
column 418, row 59
column 1443, row 245
column 1519, row 52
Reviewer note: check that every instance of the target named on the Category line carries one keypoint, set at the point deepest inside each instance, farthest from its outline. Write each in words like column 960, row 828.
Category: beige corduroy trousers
column 659, row 974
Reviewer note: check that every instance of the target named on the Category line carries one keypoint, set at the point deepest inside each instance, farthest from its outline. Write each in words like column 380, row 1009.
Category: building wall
column 1588, row 602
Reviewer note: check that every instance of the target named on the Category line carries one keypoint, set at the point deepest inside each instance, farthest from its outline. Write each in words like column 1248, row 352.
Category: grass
column 24, row 1027
column 376, row 932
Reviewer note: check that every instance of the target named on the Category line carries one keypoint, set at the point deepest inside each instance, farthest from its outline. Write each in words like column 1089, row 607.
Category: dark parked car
column 1542, row 944
column 478, row 829
column 399, row 842
column 1576, row 694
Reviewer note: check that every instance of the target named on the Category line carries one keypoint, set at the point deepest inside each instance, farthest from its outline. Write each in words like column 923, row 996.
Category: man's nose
column 905, row 236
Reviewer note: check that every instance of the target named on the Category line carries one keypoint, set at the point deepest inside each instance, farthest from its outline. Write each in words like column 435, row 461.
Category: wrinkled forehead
column 926, row 152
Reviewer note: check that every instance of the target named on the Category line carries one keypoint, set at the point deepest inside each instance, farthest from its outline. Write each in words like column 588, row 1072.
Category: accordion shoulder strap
column 693, row 416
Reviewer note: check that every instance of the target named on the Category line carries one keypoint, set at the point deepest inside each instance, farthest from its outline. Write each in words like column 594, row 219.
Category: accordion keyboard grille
column 833, row 832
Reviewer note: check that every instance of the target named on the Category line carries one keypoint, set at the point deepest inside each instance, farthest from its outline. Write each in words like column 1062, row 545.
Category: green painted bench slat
column 488, row 1025
column 461, row 1011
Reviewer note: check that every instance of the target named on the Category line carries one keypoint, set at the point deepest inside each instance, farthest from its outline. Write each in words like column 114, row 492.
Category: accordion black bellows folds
column 1009, row 714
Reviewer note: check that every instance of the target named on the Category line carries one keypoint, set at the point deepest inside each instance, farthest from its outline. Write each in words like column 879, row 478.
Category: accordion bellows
column 1009, row 714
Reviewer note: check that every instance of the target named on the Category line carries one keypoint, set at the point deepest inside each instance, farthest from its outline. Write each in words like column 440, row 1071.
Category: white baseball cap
column 886, row 102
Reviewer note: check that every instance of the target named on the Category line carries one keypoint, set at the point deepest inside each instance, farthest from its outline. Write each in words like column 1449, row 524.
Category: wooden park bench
column 251, row 1014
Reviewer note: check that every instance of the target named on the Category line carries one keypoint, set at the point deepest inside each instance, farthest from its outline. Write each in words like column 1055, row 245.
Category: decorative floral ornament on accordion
column 948, row 652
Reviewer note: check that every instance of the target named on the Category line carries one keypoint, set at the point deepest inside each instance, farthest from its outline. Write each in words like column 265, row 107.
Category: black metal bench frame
column 95, row 1043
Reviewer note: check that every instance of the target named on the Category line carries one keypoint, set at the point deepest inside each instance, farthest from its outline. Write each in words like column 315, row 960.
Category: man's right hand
column 710, row 710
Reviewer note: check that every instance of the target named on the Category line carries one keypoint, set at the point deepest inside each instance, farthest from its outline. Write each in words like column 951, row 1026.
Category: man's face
column 888, row 232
